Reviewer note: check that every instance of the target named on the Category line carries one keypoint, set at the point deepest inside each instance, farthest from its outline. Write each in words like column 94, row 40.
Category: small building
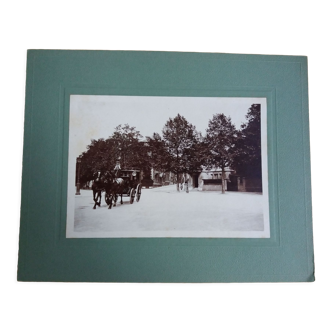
column 206, row 180
column 161, row 178
column 211, row 180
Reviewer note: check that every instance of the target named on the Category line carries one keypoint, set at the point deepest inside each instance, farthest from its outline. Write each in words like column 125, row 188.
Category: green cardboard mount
column 45, row 254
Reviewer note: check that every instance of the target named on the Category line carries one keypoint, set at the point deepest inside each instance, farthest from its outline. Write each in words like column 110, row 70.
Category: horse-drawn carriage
column 121, row 183
column 130, row 187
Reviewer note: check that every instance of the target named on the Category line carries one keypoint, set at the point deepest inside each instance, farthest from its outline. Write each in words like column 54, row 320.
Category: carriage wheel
column 138, row 192
column 132, row 195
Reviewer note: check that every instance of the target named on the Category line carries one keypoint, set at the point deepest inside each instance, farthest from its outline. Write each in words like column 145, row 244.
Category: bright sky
column 93, row 117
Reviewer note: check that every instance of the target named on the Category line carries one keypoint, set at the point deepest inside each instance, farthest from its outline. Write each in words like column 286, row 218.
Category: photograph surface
column 167, row 167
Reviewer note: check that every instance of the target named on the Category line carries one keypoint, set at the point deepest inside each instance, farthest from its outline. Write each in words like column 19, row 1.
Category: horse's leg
column 121, row 199
column 94, row 198
column 115, row 199
column 111, row 202
column 99, row 196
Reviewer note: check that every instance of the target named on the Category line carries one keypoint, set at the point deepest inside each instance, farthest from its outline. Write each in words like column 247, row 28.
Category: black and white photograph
column 147, row 166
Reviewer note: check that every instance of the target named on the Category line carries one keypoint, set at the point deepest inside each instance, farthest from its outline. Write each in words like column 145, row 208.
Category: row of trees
column 124, row 145
column 181, row 148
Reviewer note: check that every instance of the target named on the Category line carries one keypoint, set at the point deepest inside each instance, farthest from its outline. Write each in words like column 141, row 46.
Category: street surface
column 165, row 209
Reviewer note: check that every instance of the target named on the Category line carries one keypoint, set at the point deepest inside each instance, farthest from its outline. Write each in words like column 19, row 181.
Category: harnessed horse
column 115, row 188
column 111, row 184
column 97, row 188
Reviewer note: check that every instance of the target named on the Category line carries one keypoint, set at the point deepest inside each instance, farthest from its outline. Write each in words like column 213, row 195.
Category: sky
column 94, row 117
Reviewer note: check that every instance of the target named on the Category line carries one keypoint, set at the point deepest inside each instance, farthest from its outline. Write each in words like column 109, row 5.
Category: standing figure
column 186, row 181
column 117, row 169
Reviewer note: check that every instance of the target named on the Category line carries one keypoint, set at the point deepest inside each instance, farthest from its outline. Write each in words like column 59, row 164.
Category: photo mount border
column 226, row 92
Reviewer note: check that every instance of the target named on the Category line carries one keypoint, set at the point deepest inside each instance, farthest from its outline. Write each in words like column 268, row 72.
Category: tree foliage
column 248, row 161
column 180, row 148
column 128, row 146
column 99, row 156
column 220, row 140
column 181, row 144
column 157, row 152
column 123, row 145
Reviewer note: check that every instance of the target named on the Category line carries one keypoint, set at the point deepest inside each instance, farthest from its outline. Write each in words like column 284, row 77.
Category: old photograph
column 146, row 166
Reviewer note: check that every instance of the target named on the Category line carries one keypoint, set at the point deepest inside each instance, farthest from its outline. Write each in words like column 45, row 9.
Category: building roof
column 227, row 169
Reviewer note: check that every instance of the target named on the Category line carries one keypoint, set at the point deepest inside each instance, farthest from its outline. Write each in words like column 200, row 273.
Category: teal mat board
column 45, row 254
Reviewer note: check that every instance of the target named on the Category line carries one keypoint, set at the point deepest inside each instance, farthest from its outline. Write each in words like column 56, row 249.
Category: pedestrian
column 187, row 183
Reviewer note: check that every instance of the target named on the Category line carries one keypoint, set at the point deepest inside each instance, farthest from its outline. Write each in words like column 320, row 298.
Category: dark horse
column 97, row 187
column 111, row 184
column 113, row 188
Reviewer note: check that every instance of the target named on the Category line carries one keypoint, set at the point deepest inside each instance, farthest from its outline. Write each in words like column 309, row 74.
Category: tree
column 158, row 154
column 248, row 160
column 220, row 141
column 130, row 150
column 195, row 156
column 124, row 145
column 180, row 139
column 99, row 156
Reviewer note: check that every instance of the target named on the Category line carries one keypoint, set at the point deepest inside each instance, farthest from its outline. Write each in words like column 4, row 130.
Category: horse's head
column 97, row 176
column 114, row 175
column 108, row 177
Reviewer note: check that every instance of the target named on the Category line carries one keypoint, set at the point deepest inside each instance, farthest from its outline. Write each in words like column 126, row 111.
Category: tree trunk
column 177, row 172
column 177, row 182
column 223, row 180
